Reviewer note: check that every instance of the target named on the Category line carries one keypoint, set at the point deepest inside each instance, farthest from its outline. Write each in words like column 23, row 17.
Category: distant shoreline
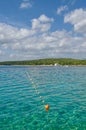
column 47, row 62
column 48, row 65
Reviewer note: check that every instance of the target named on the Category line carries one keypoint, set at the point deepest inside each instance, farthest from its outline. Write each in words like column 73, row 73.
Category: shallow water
column 24, row 91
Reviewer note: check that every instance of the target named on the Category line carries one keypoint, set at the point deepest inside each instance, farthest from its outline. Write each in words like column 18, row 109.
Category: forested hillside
column 52, row 61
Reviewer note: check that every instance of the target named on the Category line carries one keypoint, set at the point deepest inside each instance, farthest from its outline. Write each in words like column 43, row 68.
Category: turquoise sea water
column 24, row 91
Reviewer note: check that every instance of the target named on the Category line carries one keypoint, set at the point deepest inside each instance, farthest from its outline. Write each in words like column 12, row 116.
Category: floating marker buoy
column 47, row 107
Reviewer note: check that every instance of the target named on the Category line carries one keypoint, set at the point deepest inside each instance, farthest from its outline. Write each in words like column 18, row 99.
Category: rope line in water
column 38, row 92
column 46, row 106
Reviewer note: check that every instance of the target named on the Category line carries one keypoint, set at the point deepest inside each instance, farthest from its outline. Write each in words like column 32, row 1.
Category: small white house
column 55, row 64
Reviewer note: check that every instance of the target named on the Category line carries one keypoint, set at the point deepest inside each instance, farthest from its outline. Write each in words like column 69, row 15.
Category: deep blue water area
column 25, row 90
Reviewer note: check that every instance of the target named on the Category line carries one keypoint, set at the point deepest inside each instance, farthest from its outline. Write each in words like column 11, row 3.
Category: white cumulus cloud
column 43, row 23
column 39, row 42
column 61, row 9
column 25, row 5
column 78, row 19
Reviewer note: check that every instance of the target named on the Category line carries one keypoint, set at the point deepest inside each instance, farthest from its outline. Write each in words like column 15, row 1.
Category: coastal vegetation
column 51, row 61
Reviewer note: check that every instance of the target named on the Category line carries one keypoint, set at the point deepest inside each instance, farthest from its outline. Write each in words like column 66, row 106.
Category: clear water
column 22, row 100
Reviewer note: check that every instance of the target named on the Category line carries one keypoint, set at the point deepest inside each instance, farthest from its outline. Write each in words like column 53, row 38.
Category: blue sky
column 35, row 29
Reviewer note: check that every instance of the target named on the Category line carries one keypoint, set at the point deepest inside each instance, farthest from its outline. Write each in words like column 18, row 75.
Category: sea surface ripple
column 25, row 90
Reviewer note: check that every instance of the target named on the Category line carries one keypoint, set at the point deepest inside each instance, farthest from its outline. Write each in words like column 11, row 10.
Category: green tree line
column 51, row 61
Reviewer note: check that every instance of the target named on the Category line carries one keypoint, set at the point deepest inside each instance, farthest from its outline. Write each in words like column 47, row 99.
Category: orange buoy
column 46, row 107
